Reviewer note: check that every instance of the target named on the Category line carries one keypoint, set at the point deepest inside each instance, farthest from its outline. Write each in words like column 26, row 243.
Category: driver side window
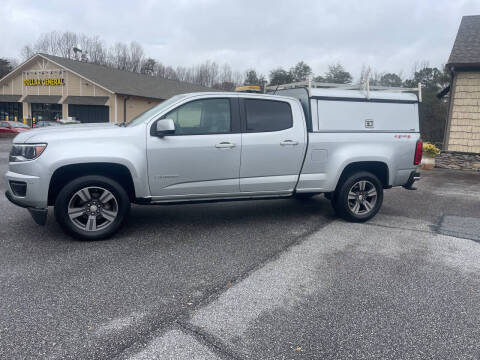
column 199, row 117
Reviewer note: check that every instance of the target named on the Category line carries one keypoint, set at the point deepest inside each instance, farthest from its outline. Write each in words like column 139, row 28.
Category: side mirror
column 164, row 127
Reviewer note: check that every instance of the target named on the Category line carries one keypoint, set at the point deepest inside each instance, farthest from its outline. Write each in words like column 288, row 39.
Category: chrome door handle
column 289, row 142
column 225, row 145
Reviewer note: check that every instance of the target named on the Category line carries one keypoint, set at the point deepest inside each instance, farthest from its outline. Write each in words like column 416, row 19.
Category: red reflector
column 418, row 153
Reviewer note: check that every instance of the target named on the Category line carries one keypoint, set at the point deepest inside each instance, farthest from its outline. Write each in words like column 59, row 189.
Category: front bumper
column 38, row 215
column 35, row 199
column 36, row 195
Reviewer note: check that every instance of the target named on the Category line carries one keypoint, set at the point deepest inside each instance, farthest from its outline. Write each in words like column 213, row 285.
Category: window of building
column 267, row 115
column 11, row 109
column 207, row 116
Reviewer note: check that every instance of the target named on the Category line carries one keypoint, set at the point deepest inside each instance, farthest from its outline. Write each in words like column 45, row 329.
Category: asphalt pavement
column 275, row 279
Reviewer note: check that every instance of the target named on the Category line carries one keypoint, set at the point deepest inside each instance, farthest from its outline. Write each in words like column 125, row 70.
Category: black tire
column 346, row 208
column 118, row 204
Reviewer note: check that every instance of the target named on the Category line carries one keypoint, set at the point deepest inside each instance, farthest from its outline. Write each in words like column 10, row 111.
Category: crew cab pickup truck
column 220, row 146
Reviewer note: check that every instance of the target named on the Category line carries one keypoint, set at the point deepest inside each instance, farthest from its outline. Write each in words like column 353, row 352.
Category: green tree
column 300, row 72
column 430, row 78
column 391, row 80
column 148, row 67
column 251, row 78
column 280, row 76
column 336, row 74
column 432, row 111
column 5, row 67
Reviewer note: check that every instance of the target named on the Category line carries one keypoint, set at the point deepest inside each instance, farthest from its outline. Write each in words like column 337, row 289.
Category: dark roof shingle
column 126, row 82
column 466, row 49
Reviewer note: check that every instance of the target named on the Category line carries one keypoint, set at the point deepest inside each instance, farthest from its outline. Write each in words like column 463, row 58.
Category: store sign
column 44, row 82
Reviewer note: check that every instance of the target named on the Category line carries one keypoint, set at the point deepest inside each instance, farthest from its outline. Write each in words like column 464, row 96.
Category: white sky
column 386, row 35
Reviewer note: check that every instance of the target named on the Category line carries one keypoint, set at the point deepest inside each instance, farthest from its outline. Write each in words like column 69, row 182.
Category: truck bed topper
column 307, row 90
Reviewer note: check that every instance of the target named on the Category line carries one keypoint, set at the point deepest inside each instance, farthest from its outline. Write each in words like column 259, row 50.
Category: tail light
column 418, row 153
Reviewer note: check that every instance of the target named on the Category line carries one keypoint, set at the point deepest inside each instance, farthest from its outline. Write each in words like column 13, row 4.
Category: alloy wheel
column 362, row 197
column 93, row 208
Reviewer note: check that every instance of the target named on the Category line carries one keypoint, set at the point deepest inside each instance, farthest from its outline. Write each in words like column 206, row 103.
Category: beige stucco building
column 47, row 87
column 464, row 118
column 463, row 124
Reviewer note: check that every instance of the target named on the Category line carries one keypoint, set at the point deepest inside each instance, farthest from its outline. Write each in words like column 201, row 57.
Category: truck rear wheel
column 359, row 197
column 92, row 207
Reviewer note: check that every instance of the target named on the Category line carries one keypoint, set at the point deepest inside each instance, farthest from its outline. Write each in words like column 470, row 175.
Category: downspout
column 125, row 108
column 446, row 134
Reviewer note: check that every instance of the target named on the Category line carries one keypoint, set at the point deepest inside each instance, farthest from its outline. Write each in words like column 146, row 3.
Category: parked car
column 219, row 147
column 44, row 123
column 68, row 121
column 12, row 127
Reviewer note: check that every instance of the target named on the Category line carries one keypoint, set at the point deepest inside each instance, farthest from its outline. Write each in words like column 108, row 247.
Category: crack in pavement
column 136, row 347
column 188, row 325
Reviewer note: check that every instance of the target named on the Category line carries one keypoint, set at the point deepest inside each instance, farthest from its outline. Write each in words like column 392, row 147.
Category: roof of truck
column 337, row 94
column 361, row 94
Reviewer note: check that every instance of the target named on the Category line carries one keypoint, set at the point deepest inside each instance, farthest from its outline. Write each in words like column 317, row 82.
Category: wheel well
column 379, row 169
column 65, row 174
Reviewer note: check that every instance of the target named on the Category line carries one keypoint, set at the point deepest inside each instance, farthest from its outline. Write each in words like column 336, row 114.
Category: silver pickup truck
column 219, row 147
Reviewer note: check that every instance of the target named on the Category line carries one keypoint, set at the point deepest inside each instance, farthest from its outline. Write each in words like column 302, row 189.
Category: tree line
column 131, row 57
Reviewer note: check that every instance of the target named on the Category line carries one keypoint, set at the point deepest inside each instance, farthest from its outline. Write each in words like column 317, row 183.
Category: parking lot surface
column 277, row 279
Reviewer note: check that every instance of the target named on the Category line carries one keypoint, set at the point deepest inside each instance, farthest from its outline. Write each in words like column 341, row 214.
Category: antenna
column 275, row 92
column 366, row 83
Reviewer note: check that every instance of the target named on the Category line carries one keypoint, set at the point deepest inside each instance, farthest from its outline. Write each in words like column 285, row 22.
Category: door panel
column 272, row 157
column 202, row 157
column 183, row 165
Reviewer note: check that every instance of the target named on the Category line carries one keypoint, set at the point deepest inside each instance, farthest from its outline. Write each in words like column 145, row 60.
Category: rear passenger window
column 267, row 115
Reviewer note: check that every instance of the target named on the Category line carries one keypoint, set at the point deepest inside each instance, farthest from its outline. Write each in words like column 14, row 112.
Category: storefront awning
column 42, row 99
column 86, row 100
column 10, row 98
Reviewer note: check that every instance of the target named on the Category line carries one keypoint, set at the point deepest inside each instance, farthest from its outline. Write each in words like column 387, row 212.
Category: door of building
column 88, row 113
column 47, row 112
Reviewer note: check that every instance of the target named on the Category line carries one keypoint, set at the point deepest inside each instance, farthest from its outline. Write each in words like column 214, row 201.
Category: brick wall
column 464, row 132
column 455, row 160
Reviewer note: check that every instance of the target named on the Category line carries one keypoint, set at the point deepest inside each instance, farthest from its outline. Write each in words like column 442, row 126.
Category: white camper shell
column 340, row 110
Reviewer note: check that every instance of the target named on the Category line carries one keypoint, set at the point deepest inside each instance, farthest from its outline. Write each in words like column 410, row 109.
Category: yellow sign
column 249, row 88
column 44, row 82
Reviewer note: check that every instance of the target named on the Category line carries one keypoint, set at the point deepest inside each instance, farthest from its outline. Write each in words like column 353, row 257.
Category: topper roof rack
column 365, row 87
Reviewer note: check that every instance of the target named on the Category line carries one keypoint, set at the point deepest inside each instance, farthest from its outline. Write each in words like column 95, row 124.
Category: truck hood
column 65, row 132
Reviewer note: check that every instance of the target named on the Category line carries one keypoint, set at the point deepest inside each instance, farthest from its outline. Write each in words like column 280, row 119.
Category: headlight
column 26, row 152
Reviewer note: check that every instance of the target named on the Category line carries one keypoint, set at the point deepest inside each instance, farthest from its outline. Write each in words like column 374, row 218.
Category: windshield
column 156, row 109
column 18, row 125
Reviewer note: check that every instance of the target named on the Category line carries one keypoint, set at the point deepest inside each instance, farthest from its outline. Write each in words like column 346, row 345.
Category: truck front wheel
column 359, row 197
column 92, row 207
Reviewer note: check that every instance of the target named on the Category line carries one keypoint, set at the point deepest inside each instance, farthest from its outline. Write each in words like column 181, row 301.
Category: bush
column 430, row 150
